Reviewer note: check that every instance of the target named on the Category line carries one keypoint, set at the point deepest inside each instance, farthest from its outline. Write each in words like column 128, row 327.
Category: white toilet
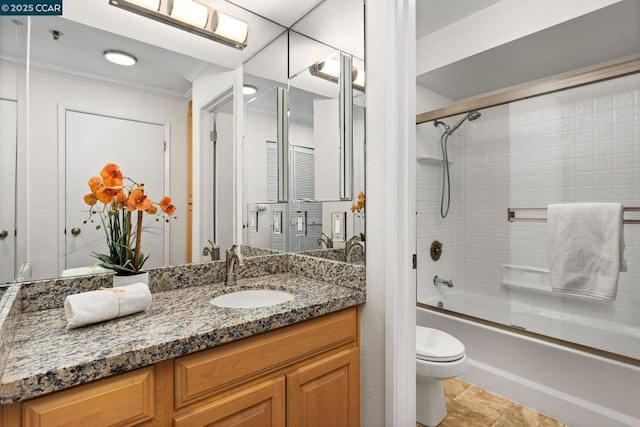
column 438, row 356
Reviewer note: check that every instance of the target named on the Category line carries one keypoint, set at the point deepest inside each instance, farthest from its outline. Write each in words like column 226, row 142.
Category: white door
column 139, row 149
column 8, row 114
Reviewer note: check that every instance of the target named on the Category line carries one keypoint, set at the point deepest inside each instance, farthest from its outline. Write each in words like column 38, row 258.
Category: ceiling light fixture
column 119, row 57
column 249, row 90
column 191, row 16
column 329, row 69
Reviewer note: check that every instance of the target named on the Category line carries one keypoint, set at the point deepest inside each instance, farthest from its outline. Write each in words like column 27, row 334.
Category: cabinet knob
column 3, row 234
column 75, row 231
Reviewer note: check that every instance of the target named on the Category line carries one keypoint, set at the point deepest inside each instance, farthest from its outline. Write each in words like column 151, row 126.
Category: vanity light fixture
column 249, row 90
column 192, row 16
column 329, row 69
column 119, row 57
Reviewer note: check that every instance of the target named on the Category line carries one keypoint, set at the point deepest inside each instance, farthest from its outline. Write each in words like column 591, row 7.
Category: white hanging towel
column 105, row 304
column 585, row 246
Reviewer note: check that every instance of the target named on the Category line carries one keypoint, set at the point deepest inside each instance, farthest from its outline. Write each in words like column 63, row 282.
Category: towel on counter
column 105, row 304
column 585, row 248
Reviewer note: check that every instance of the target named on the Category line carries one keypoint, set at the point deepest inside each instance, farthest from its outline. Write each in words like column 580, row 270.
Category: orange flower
column 106, row 194
column 152, row 210
column 166, row 206
column 111, row 175
column 121, row 199
column 94, row 183
column 90, row 199
column 138, row 200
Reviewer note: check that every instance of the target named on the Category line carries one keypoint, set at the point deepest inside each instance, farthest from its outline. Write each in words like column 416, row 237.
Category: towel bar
column 537, row 215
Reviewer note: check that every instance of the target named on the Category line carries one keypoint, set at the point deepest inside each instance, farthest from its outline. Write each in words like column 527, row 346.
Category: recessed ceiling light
column 249, row 90
column 119, row 57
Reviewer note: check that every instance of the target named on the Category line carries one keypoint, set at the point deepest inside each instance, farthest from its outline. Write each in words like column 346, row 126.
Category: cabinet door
column 125, row 399
column 261, row 405
column 325, row 393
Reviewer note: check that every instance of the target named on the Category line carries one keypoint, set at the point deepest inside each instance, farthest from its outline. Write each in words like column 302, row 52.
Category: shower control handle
column 435, row 250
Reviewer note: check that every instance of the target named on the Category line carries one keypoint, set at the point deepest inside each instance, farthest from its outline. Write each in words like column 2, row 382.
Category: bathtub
column 578, row 388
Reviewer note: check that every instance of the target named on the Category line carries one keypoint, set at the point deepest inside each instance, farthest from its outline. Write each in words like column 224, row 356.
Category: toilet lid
column 437, row 346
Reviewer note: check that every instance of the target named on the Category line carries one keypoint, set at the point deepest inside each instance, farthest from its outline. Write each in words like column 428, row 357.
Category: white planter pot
column 130, row 280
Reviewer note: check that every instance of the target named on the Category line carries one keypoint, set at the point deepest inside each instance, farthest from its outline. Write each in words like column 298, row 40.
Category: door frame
column 209, row 161
column 62, row 155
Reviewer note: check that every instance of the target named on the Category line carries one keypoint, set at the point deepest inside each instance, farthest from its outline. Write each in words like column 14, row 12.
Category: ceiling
column 168, row 70
column 607, row 34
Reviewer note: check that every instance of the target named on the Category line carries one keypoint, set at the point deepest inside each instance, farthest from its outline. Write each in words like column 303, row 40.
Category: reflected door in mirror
column 91, row 141
column 8, row 114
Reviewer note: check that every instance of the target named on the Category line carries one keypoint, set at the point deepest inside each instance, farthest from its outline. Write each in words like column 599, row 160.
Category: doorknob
column 75, row 231
column 3, row 234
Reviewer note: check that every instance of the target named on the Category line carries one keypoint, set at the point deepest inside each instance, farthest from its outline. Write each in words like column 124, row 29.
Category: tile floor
column 470, row 406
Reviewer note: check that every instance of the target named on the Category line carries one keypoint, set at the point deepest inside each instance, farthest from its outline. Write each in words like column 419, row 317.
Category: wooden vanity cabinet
column 307, row 374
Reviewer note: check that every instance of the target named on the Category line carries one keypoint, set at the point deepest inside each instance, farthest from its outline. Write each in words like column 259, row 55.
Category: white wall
column 47, row 91
column 327, row 149
column 427, row 100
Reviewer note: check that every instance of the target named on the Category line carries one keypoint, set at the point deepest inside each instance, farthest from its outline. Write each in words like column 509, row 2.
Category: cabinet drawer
column 119, row 401
column 201, row 374
column 260, row 405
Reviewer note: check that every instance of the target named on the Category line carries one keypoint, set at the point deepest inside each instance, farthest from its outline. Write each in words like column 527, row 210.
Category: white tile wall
column 580, row 145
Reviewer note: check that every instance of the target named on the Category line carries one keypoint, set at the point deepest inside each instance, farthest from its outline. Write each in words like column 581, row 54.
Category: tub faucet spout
column 233, row 259
column 442, row 281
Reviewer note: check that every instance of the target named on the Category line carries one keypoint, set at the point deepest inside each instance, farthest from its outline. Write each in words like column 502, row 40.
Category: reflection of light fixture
column 329, row 69
column 119, row 57
column 249, row 90
column 191, row 16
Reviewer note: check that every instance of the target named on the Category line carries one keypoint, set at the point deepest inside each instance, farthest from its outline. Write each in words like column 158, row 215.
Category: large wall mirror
column 85, row 112
column 324, row 136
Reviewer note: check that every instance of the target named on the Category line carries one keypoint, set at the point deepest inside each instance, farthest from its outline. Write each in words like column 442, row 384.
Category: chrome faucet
column 213, row 250
column 350, row 245
column 233, row 259
column 442, row 281
column 328, row 241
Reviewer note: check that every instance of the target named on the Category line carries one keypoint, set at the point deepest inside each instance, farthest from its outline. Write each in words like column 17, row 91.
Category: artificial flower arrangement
column 121, row 209
column 359, row 205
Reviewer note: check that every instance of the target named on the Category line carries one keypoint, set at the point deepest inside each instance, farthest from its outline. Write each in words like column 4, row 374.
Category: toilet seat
column 434, row 345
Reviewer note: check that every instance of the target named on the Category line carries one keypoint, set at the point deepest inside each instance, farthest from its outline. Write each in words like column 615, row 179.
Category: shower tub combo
column 575, row 359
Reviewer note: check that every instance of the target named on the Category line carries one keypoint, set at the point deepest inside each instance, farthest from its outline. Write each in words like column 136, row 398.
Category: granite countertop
column 44, row 356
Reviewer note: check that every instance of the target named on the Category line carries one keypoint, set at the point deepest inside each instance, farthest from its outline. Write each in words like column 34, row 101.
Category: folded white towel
column 105, row 304
column 585, row 246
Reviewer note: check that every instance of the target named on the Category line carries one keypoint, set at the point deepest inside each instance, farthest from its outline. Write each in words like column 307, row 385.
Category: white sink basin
column 252, row 298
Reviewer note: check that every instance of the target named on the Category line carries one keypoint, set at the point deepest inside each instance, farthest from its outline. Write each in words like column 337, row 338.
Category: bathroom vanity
column 185, row 362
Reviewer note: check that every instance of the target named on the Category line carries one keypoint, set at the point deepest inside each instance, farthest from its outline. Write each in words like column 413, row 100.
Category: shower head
column 436, row 123
column 471, row 115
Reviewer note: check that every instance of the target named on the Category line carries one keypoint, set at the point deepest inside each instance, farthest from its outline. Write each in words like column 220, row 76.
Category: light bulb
column 119, row 57
column 229, row 27
column 191, row 12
